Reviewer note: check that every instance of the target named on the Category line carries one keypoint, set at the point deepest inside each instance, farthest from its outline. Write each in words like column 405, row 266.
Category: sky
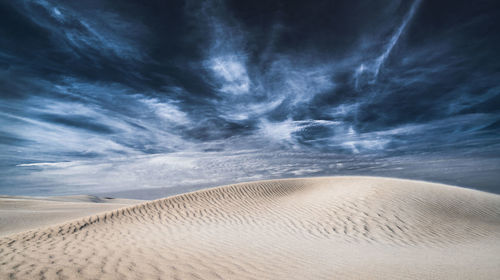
column 110, row 96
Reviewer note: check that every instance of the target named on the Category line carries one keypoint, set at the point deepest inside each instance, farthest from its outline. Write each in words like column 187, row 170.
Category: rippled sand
column 316, row 228
column 20, row 213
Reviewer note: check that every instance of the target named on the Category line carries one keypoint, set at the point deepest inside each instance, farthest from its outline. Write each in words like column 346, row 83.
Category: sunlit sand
column 315, row 228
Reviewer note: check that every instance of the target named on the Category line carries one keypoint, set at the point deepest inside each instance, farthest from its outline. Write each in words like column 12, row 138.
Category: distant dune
column 315, row 228
column 20, row 213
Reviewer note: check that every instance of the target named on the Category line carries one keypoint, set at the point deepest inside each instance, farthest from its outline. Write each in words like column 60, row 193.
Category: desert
column 307, row 228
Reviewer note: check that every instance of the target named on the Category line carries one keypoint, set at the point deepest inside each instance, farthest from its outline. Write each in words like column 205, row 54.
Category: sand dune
column 318, row 228
column 20, row 213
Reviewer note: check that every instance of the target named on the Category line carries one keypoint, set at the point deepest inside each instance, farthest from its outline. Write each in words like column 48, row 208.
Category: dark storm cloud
column 249, row 89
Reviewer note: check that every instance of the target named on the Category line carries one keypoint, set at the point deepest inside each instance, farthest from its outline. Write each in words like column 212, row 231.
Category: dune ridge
column 309, row 228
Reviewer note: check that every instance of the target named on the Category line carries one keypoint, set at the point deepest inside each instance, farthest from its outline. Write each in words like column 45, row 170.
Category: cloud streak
column 394, row 39
column 373, row 68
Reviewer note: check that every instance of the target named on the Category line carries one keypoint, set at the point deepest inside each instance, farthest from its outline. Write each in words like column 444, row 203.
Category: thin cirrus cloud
column 73, row 29
column 104, row 97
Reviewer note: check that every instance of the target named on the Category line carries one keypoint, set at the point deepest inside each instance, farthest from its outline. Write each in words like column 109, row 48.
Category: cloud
column 120, row 95
column 166, row 111
column 46, row 164
column 367, row 72
column 205, row 169
column 394, row 39
column 71, row 27
column 232, row 74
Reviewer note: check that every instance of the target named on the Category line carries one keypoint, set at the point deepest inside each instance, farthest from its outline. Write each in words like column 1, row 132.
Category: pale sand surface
column 317, row 228
column 20, row 213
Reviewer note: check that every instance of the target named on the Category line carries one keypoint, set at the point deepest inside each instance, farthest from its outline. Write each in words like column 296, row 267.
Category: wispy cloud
column 394, row 39
column 372, row 68
column 97, row 95
column 81, row 31
column 231, row 72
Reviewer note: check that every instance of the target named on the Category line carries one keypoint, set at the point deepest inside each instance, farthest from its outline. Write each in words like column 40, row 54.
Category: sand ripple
column 319, row 228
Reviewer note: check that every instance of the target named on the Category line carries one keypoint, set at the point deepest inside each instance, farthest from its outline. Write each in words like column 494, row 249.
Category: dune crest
column 311, row 228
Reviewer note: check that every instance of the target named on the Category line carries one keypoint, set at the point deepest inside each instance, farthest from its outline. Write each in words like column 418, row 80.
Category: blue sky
column 103, row 96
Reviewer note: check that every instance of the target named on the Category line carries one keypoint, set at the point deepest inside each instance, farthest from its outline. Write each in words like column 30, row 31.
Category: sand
column 315, row 228
column 20, row 213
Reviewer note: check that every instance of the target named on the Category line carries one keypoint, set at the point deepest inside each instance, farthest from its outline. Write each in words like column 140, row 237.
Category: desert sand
column 311, row 228
column 20, row 213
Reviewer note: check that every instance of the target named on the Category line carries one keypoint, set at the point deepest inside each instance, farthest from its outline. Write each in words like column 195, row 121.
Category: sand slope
column 320, row 228
column 20, row 213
